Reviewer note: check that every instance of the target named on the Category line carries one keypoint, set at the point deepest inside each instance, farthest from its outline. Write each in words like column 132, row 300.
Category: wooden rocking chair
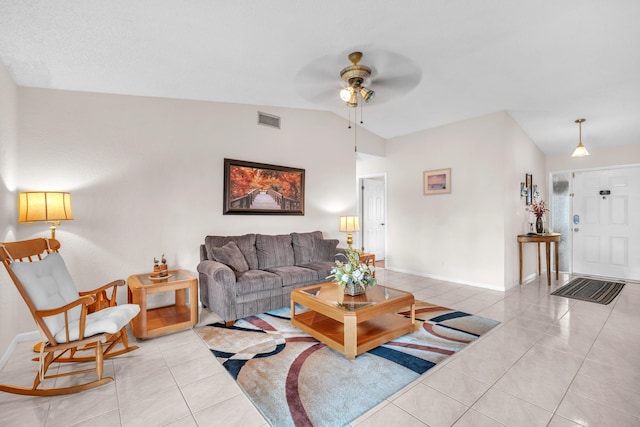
column 76, row 326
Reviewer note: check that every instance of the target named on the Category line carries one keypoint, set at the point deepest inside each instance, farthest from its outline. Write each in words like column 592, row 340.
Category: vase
column 354, row 289
column 539, row 225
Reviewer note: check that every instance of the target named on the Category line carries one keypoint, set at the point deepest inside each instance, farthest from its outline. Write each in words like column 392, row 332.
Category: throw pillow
column 274, row 251
column 303, row 246
column 246, row 243
column 324, row 249
column 230, row 255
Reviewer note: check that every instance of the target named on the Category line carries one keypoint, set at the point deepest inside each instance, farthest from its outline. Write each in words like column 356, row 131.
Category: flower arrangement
column 538, row 208
column 353, row 276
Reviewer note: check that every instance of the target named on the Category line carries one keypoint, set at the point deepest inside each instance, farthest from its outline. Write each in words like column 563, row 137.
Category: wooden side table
column 547, row 239
column 368, row 258
column 153, row 322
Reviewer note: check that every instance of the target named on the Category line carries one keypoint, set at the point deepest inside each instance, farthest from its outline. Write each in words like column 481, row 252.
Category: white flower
column 352, row 271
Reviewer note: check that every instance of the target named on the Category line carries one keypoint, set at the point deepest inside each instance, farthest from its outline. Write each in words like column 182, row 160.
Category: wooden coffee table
column 352, row 325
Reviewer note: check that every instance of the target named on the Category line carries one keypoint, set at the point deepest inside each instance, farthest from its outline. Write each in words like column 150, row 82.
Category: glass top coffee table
column 352, row 325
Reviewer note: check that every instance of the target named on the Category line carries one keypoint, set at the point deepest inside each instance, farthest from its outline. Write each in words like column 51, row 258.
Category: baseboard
column 448, row 279
column 26, row 336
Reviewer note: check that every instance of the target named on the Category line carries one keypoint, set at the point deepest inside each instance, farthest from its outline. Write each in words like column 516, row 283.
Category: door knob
column 576, row 229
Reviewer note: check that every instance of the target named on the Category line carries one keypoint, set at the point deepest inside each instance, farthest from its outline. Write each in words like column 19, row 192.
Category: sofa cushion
column 231, row 255
column 274, row 251
column 292, row 274
column 246, row 243
column 324, row 250
column 323, row 269
column 303, row 246
column 252, row 281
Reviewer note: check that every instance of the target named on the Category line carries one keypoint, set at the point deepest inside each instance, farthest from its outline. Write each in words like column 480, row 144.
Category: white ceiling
column 546, row 62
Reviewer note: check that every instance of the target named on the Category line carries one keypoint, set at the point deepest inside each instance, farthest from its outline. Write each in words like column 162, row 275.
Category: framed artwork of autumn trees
column 260, row 189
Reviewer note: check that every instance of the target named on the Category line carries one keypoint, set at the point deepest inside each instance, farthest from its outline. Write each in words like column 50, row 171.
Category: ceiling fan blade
column 399, row 83
column 322, row 97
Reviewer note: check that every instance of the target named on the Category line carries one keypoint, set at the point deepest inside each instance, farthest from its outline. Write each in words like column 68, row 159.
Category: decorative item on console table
column 353, row 276
column 538, row 208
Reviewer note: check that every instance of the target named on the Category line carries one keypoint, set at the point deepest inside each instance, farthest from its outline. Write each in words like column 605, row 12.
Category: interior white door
column 373, row 217
column 606, row 223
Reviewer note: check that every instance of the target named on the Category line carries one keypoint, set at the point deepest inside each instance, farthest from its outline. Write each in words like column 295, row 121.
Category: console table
column 547, row 239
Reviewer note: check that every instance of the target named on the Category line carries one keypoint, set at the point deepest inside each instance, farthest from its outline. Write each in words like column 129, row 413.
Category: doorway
column 373, row 211
column 599, row 211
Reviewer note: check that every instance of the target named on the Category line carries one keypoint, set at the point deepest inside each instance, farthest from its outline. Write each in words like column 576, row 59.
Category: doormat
column 591, row 290
column 295, row 380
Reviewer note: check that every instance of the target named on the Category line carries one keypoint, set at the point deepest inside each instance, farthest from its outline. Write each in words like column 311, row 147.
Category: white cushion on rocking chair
column 49, row 285
column 108, row 320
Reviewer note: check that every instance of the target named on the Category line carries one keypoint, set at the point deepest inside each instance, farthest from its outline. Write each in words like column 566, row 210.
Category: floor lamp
column 47, row 206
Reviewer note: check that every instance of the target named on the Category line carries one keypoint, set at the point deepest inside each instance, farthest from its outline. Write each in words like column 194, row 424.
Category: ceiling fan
column 355, row 75
column 390, row 74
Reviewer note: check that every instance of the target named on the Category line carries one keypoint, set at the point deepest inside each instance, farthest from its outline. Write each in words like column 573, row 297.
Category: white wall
column 468, row 236
column 597, row 159
column 11, row 312
column 146, row 175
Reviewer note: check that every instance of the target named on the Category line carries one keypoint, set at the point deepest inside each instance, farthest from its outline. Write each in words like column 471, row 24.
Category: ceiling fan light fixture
column 581, row 150
column 345, row 94
column 355, row 75
column 367, row 94
column 353, row 101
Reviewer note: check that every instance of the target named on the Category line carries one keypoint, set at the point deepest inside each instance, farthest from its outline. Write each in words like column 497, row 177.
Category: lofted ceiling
column 434, row 62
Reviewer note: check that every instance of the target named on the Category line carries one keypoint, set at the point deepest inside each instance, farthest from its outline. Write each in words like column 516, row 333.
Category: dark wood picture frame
column 529, row 185
column 252, row 188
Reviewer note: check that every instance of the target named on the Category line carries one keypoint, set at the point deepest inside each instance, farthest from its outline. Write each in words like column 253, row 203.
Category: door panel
column 373, row 217
column 606, row 241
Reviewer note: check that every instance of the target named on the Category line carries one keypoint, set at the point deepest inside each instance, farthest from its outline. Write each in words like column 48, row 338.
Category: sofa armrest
column 217, row 271
column 218, row 289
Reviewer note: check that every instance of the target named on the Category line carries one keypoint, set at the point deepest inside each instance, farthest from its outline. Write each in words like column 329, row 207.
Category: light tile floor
column 552, row 362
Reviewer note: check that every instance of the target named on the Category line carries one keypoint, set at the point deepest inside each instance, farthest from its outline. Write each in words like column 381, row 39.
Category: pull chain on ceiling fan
column 355, row 75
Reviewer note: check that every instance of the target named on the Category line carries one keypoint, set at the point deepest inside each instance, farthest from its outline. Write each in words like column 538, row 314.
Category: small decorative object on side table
column 538, row 208
column 153, row 322
column 353, row 276
column 160, row 271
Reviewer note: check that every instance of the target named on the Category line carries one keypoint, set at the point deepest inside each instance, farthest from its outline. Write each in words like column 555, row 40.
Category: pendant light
column 580, row 150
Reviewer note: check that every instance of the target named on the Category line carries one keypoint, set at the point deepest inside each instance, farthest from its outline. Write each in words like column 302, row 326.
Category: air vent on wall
column 268, row 120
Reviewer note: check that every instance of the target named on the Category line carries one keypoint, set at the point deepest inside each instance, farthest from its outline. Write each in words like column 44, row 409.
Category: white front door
column 606, row 223
column 373, row 214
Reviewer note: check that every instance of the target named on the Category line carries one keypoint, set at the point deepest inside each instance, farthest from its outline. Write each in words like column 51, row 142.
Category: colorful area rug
column 591, row 290
column 294, row 380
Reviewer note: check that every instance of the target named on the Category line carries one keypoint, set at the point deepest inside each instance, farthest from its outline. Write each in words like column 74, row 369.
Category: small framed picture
column 437, row 181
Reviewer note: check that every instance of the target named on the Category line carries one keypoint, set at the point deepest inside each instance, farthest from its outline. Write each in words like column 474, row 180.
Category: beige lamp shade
column 51, row 207
column 44, row 206
column 349, row 223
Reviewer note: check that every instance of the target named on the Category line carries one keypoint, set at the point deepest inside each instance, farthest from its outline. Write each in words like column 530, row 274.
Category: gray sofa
column 246, row 275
